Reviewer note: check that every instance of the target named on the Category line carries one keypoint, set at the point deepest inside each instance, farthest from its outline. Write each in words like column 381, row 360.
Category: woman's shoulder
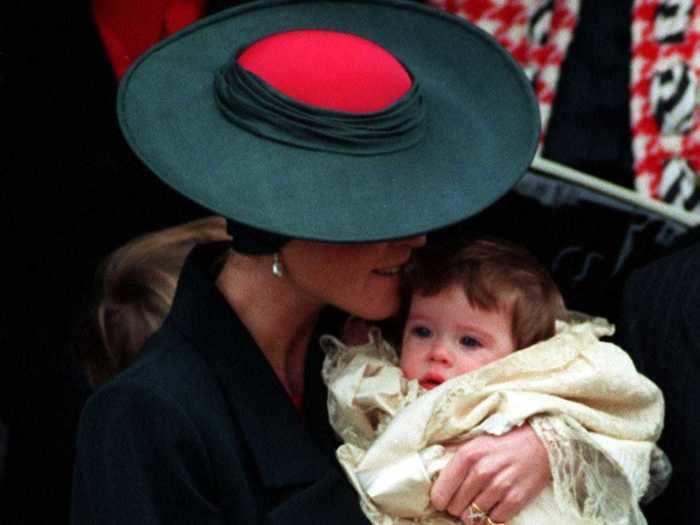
column 169, row 372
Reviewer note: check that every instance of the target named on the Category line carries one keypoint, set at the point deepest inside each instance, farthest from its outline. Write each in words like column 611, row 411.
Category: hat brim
column 481, row 134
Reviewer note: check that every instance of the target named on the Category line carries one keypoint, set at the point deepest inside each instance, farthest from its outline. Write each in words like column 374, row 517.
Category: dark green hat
column 458, row 138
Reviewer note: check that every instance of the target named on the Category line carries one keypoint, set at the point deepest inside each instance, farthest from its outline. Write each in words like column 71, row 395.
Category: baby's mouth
column 430, row 381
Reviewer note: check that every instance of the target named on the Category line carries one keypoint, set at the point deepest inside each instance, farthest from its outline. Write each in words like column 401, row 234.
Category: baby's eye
column 469, row 342
column 421, row 331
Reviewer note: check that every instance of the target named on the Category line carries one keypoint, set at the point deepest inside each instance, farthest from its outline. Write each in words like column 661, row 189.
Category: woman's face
column 361, row 279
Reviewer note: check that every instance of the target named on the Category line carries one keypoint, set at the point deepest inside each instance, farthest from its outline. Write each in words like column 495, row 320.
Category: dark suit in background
column 660, row 328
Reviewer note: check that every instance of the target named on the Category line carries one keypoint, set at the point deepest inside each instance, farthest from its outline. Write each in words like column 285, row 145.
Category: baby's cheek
column 408, row 364
column 461, row 365
column 469, row 363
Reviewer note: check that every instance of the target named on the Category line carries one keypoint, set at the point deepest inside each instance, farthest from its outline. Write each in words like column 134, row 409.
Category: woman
column 333, row 139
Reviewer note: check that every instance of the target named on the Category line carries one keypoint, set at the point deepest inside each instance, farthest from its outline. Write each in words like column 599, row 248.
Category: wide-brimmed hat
column 454, row 142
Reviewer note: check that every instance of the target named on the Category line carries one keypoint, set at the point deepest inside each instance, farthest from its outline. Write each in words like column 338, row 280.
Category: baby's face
column 445, row 337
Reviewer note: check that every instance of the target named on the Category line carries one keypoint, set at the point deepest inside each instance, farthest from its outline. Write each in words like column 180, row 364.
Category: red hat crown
column 328, row 69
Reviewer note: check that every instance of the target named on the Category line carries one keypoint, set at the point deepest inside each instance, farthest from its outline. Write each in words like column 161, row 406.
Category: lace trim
column 584, row 478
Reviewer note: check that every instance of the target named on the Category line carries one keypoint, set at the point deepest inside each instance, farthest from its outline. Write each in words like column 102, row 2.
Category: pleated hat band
column 322, row 90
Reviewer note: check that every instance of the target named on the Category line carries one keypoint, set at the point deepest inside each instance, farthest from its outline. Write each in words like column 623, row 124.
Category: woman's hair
column 495, row 275
column 135, row 288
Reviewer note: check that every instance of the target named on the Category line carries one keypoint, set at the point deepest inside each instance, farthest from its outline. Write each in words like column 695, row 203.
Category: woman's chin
column 379, row 311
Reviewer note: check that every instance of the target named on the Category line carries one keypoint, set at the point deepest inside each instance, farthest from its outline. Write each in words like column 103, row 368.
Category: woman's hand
column 498, row 475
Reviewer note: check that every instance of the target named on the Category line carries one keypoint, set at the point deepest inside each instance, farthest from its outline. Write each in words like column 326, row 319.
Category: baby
column 484, row 350
column 473, row 307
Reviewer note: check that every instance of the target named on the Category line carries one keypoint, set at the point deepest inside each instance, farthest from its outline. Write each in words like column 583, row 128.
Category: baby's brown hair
column 495, row 275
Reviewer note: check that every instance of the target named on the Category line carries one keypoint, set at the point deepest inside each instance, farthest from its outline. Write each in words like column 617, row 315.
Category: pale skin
column 363, row 280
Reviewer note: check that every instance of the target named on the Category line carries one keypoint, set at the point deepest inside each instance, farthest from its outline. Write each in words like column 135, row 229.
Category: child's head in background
column 135, row 288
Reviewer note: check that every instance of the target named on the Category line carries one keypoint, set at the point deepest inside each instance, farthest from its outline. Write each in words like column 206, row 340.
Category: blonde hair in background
column 135, row 289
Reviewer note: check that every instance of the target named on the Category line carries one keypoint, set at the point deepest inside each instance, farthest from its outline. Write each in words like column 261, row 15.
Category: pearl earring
column 277, row 266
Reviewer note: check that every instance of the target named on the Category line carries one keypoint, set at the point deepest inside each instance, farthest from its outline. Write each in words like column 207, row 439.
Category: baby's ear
column 356, row 331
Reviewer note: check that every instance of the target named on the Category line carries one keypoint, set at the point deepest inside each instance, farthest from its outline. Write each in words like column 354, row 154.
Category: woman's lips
column 388, row 272
column 391, row 271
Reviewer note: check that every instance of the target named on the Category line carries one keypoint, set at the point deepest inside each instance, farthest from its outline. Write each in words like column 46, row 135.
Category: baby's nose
column 440, row 353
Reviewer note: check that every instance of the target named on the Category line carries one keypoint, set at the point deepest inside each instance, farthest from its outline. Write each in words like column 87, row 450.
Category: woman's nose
column 414, row 242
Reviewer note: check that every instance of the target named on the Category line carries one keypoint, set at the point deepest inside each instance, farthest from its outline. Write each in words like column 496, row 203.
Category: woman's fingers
column 501, row 474
column 451, row 479
column 478, row 486
column 484, row 503
column 496, row 501
column 508, row 507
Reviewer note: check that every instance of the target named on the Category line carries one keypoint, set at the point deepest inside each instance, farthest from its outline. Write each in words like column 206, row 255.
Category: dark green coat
column 200, row 431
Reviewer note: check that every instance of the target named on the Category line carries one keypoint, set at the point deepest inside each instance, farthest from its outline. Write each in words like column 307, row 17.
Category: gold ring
column 475, row 515
column 489, row 521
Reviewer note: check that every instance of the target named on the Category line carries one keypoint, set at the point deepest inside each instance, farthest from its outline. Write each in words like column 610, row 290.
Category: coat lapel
column 285, row 453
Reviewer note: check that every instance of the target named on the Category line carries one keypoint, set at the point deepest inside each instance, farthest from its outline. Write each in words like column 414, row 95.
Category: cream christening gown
column 597, row 416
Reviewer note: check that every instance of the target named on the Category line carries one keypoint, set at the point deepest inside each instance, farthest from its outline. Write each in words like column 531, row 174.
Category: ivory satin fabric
column 597, row 416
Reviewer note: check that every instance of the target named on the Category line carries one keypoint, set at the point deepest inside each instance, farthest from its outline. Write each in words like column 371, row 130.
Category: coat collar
column 285, row 452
